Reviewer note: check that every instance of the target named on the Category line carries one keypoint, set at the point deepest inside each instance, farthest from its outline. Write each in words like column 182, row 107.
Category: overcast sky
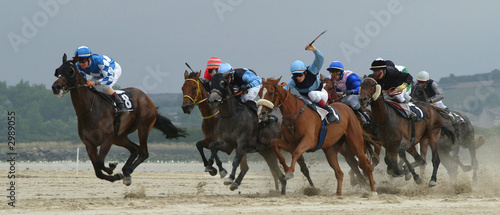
column 153, row 39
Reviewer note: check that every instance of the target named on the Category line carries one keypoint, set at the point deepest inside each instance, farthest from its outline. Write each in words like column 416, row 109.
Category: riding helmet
column 422, row 76
column 298, row 67
column 83, row 51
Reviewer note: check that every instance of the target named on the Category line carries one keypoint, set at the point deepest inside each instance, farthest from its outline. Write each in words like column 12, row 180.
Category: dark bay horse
column 239, row 127
column 95, row 122
column 464, row 134
column 195, row 94
column 301, row 127
column 395, row 131
column 368, row 137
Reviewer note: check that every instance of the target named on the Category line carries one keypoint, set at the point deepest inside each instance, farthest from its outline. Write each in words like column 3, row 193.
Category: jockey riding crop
column 317, row 37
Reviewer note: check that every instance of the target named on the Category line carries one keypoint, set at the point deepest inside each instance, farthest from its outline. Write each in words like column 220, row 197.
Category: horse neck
column 379, row 110
column 204, row 107
column 228, row 107
column 83, row 100
column 290, row 105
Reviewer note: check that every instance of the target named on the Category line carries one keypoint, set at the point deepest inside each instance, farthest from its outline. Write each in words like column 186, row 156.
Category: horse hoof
column 432, row 183
column 233, row 186
column 288, row 176
column 408, row 177
column 211, row 170
column 127, row 180
column 418, row 180
column 120, row 176
column 223, row 173
column 113, row 165
column 228, row 181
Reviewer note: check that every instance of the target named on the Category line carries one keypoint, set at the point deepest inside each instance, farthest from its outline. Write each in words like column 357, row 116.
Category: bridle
column 195, row 100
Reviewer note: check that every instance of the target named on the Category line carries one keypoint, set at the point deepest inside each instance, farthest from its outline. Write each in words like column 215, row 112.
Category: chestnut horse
column 464, row 134
column 354, row 173
column 195, row 94
column 95, row 122
column 239, row 128
column 395, row 131
column 301, row 127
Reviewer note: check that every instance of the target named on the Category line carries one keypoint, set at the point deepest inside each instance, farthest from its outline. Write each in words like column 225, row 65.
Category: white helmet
column 422, row 76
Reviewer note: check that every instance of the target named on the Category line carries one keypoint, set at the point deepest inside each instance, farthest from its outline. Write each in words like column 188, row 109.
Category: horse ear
column 65, row 58
column 75, row 59
column 279, row 79
column 186, row 74
column 364, row 76
column 321, row 76
column 226, row 75
column 198, row 75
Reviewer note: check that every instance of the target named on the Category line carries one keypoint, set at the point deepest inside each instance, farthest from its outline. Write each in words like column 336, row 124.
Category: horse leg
column 402, row 154
column 239, row 159
column 356, row 144
column 303, row 168
column 472, row 151
column 278, row 176
column 134, row 153
column 275, row 146
column 98, row 167
column 435, row 158
column 143, row 132
column 331, row 157
column 200, row 146
column 449, row 163
column 355, row 175
column 215, row 147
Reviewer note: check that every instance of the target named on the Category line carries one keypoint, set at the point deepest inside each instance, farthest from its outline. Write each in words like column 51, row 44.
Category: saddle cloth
column 413, row 108
column 322, row 112
column 126, row 97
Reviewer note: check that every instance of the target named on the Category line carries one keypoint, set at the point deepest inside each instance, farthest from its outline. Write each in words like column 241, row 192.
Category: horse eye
column 71, row 73
column 222, row 84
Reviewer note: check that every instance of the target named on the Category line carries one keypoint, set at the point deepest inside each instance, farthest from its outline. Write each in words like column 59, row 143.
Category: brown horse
column 95, row 122
column 464, row 134
column 368, row 137
column 395, row 131
column 301, row 127
column 195, row 94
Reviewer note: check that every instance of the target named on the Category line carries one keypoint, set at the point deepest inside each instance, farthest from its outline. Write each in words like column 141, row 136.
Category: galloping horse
column 464, row 133
column 195, row 94
column 354, row 173
column 95, row 122
column 301, row 127
column 396, row 132
column 239, row 128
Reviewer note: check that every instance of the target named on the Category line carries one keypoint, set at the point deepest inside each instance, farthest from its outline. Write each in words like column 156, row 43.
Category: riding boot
column 122, row 110
column 368, row 121
column 330, row 117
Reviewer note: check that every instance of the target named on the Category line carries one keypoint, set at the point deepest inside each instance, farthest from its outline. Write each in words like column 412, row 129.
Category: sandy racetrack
column 182, row 188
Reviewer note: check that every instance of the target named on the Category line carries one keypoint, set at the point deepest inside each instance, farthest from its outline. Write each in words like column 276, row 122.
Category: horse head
column 330, row 88
column 369, row 91
column 192, row 91
column 68, row 77
column 418, row 93
column 271, row 97
column 219, row 89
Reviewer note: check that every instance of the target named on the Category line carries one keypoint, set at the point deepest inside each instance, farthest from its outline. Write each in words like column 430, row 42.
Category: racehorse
column 464, row 134
column 196, row 94
column 398, row 135
column 96, row 115
column 368, row 137
column 239, row 128
column 301, row 128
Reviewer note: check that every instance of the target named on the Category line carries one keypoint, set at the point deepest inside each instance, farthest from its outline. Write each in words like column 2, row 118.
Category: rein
column 196, row 101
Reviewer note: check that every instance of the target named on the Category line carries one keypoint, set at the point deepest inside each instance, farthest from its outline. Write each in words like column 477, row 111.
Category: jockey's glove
column 348, row 92
column 402, row 86
column 243, row 88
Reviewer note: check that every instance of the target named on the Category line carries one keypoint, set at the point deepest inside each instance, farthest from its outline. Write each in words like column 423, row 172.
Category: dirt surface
column 183, row 188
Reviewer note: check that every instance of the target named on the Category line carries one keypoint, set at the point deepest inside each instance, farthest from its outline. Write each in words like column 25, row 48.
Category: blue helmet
column 298, row 67
column 336, row 66
column 83, row 51
column 225, row 67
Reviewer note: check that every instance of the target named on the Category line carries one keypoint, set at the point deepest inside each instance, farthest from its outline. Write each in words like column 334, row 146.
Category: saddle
column 322, row 112
column 126, row 97
column 413, row 108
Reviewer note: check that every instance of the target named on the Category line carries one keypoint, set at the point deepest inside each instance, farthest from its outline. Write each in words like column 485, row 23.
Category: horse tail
column 449, row 133
column 169, row 130
column 373, row 153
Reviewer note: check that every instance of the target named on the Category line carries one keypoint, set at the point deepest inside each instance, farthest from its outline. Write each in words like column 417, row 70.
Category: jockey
column 403, row 70
column 434, row 93
column 347, row 83
column 213, row 65
column 307, row 81
column 244, row 79
column 390, row 77
column 104, row 73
